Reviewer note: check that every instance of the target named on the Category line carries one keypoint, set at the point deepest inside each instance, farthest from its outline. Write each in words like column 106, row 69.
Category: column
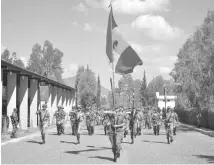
column 64, row 99
column 49, row 102
column 11, row 95
column 23, row 99
column 33, row 91
column 53, row 102
column 59, row 96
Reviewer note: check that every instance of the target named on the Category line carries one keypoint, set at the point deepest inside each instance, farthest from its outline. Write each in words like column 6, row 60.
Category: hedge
column 188, row 116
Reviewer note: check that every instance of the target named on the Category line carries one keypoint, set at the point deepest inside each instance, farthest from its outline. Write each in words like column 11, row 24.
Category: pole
column 165, row 96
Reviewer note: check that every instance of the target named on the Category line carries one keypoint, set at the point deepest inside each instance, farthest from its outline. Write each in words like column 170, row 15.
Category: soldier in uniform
column 14, row 120
column 140, row 122
column 88, row 123
column 170, row 120
column 78, row 123
column 44, row 117
column 156, row 122
column 176, row 121
column 72, row 115
column 133, row 124
column 60, row 117
column 116, row 133
column 105, row 123
column 126, row 121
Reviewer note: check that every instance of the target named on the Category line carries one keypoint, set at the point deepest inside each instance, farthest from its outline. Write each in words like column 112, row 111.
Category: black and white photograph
column 107, row 82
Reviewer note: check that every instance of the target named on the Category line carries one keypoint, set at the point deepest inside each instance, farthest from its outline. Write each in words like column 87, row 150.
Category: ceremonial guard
column 44, row 117
column 60, row 117
column 116, row 133
column 133, row 124
column 78, row 123
column 14, row 120
column 72, row 115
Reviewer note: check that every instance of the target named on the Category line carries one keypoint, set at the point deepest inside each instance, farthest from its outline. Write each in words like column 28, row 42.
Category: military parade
column 107, row 82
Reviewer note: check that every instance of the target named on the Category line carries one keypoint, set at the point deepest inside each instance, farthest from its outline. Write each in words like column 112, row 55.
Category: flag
column 116, row 44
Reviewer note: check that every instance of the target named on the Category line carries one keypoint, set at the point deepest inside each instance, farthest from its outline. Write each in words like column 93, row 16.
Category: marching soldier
column 156, row 122
column 105, row 123
column 140, row 122
column 72, row 115
column 133, row 125
column 176, row 121
column 88, row 123
column 126, row 121
column 170, row 120
column 44, row 117
column 116, row 133
column 78, row 123
column 60, row 116
column 14, row 120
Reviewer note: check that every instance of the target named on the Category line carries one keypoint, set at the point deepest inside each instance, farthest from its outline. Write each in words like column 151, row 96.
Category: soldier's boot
column 139, row 131
column 154, row 130
column 118, row 154
column 115, row 157
column 78, row 138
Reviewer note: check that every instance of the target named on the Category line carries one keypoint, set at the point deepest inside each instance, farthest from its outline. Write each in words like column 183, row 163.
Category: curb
column 25, row 137
column 205, row 132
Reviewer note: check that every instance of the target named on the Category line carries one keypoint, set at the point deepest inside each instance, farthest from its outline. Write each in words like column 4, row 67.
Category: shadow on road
column 88, row 150
column 103, row 158
column 32, row 141
column 69, row 142
column 153, row 142
column 210, row 159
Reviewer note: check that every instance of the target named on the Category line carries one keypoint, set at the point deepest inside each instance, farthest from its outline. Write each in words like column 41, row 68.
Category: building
column 21, row 89
column 170, row 101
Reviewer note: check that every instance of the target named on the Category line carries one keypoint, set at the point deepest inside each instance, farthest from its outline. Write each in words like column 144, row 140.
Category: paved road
column 189, row 147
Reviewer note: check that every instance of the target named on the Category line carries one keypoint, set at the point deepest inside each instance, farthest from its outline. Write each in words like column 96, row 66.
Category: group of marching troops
column 117, row 123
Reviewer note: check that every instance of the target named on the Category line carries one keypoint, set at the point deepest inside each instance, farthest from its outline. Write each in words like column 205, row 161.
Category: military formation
column 117, row 123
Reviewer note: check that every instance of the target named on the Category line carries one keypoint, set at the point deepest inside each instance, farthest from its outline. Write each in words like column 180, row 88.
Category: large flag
column 116, row 44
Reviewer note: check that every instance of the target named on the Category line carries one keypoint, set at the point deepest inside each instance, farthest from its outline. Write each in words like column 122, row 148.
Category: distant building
column 170, row 101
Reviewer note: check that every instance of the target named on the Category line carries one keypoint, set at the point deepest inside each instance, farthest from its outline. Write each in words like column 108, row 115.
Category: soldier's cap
column 44, row 105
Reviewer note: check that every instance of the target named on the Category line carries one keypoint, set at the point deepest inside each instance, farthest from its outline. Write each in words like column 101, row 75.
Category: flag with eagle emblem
column 115, row 42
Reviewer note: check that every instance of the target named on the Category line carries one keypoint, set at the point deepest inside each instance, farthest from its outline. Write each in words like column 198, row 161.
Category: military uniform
column 106, row 123
column 78, row 124
column 170, row 121
column 14, row 120
column 116, row 134
column 156, row 122
column 133, row 125
column 44, row 117
column 60, row 117
column 72, row 115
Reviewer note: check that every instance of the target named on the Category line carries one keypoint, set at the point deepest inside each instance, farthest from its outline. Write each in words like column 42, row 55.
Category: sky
column 156, row 29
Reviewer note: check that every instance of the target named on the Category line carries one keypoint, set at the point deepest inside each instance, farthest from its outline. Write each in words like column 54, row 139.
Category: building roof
column 11, row 67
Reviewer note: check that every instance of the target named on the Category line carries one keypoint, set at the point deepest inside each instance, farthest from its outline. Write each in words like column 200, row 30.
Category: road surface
column 188, row 147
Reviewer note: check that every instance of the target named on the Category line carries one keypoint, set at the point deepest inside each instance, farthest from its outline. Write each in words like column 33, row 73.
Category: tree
column 156, row 85
column 193, row 72
column 98, row 92
column 6, row 56
column 87, row 88
column 47, row 61
column 143, row 90
column 12, row 59
column 80, row 71
column 126, row 85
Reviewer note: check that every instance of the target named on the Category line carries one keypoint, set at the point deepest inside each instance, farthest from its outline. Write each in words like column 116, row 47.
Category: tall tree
column 98, row 92
column 80, row 71
column 47, row 62
column 143, row 90
column 87, row 88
